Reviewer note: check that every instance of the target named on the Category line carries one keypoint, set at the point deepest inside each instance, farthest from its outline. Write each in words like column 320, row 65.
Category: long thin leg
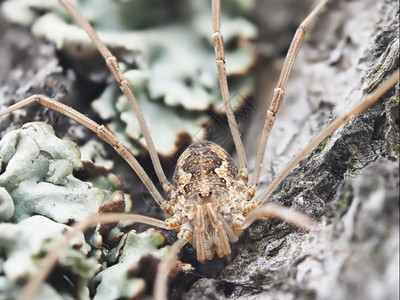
column 218, row 42
column 112, row 64
column 50, row 260
column 279, row 212
column 164, row 269
column 366, row 102
column 279, row 91
column 104, row 134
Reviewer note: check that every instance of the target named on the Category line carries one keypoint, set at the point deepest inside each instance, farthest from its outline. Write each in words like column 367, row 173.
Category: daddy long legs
column 203, row 190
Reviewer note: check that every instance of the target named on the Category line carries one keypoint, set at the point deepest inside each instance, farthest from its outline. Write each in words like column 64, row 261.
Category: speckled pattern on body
column 203, row 167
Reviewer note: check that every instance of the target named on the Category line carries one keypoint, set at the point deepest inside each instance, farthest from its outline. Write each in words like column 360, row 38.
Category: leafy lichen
column 37, row 171
column 38, row 174
column 167, row 56
column 115, row 281
column 24, row 245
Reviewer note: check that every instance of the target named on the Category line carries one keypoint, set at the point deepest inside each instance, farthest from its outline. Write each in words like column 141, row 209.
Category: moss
column 249, row 260
column 322, row 145
column 341, row 203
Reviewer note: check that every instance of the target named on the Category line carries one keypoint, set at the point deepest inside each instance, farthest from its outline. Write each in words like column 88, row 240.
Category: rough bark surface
column 350, row 183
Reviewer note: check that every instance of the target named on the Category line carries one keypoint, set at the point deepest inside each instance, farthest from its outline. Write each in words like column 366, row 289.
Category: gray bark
column 349, row 184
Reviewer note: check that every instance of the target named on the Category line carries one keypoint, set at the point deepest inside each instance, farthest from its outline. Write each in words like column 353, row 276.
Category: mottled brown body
column 209, row 166
column 210, row 200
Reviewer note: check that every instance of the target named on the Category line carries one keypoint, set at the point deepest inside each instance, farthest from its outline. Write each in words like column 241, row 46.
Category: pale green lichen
column 125, row 121
column 11, row 290
column 24, row 245
column 166, row 51
column 95, row 152
column 115, row 281
column 39, row 189
column 38, row 174
column 6, row 205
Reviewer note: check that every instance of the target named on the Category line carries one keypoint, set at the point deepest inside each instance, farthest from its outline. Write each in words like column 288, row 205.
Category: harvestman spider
column 212, row 201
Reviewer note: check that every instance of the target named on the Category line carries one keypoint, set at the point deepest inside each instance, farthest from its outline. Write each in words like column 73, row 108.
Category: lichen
column 6, row 205
column 167, row 57
column 37, row 171
column 24, row 245
column 38, row 174
column 115, row 281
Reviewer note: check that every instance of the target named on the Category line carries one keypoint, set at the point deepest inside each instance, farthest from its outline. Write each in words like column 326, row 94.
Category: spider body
column 209, row 202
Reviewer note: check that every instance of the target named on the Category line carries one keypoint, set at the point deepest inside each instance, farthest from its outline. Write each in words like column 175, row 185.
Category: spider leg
column 103, row 133
column 164, row 268
column 112, row 64
column 200, row 228
column 279, row 91
column 278, row 212
column 218, row 42
column 366, row 102
column 50, row 260
column 221, row 238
